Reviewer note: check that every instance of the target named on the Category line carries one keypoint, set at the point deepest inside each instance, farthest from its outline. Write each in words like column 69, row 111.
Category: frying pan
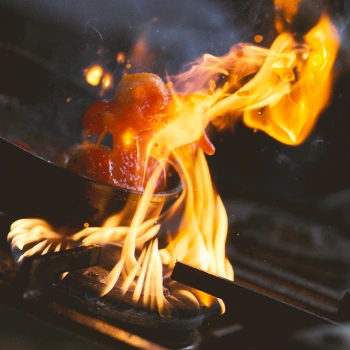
column 31, row 186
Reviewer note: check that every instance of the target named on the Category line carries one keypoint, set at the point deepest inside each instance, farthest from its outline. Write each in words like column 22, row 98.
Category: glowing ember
column 288, row 86
column 258, row 38
column 93, row 75
column 96, row 75
column 305, row 69
column 120, row 57
column 107, row 81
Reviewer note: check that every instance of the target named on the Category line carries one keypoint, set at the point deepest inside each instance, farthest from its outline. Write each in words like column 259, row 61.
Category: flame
column 291, row 119
column 291, row 85
column 280, row 91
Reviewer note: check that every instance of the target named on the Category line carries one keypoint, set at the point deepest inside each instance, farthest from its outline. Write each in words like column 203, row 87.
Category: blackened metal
column 250, row 307
column 294, row 289
column 37, row 273
column 81, row 291
column 33, row 187
column 63, row 311
column 132, row 320
column 109, row 330
column 309, row 248
column 344, row 308
column 280, row 253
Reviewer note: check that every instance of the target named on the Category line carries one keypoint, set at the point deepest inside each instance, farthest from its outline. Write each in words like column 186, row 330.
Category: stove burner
column 83, row 290
column 80, row 289
column 38, row 272
column 36, row 288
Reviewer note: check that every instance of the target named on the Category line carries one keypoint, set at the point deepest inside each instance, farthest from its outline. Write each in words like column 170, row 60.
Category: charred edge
column 37, row 273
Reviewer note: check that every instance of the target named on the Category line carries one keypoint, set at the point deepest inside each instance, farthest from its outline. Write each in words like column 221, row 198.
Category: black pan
column 30, row 186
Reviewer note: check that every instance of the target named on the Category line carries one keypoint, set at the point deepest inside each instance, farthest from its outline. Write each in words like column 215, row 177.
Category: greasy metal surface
column 33, row 187
column 250, row 307
column 37, row 273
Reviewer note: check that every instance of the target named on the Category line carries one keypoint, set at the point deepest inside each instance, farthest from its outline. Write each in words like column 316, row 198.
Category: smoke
column 177, row 31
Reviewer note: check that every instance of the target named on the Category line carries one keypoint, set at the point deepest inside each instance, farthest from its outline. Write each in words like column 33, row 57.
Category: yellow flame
column 291, row 85
column 291, row 119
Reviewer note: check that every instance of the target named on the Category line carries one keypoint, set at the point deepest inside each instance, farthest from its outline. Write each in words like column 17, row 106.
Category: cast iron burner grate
column 87, row 274
column 38, row 283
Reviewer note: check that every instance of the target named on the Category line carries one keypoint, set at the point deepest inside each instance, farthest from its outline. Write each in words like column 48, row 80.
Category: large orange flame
column 291, row 85
column 291, row 119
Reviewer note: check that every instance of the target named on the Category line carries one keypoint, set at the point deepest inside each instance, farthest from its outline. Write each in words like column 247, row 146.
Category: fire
column 291, row 84
column 291, row 118
column 280, row 91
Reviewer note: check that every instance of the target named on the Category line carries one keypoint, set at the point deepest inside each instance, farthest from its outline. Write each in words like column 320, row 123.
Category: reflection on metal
column 282, row 317
column 38, row 272
column 109, row 330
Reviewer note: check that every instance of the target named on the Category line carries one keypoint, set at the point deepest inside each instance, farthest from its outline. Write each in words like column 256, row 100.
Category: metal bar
column 250, row 308
column 37, row 273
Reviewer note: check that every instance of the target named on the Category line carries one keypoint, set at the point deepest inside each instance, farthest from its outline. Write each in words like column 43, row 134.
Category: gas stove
column 312, row 279
column 287, row 207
